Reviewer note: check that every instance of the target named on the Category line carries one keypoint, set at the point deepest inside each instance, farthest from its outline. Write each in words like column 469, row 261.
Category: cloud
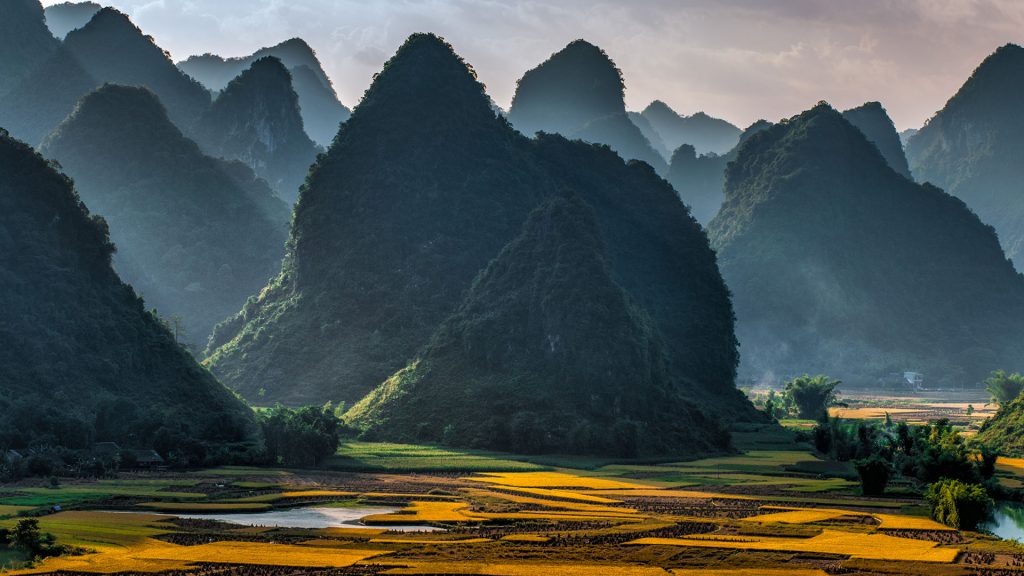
column 738, row 59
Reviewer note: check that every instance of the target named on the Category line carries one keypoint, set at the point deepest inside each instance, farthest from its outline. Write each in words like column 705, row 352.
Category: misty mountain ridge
column 705, row 133
column 256, row 121
column 67, row 16
column 196, row 235
column 83, row 360
column 840, row 265
column 322, row 112
column 374, row 271
column 973, row 146
column 579, row 93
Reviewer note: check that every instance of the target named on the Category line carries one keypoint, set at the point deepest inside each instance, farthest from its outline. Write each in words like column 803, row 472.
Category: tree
column 302, row 437
column 958, row 504
column 874, row 475
column 812, row 395
column 1003, row 387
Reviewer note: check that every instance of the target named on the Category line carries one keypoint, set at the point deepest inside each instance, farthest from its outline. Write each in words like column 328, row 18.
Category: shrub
column 812, row 395
column 874, row 475
column 958, row 504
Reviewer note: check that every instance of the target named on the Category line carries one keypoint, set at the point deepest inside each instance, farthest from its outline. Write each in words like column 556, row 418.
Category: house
column 11, row 457
column 147, row 458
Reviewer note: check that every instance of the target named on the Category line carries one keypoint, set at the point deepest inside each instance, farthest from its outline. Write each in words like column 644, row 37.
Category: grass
column 206, row 506
column 381, row 457
column 76, row 494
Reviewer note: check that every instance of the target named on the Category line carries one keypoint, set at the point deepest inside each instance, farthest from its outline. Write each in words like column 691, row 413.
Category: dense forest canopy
column 197, row 235
column 973, row 148
column 373, row 271
column 76, row 344
column 839, row 264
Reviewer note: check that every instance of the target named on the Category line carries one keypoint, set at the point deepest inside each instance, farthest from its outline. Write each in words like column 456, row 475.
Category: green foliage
column 79, row 353
column 196, row 235
column 959, row 505
column 805, row 242
column 321, row 111
column 812, row 396
column 27, row 537
column 302, row 437
column 546, row 354
column 972, row 147
column 1003, row 387
column 256, row 120
column 422, row 188
column 874, row 475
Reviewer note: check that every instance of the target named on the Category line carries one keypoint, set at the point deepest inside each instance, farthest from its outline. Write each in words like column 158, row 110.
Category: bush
column 812, row 395
column 874, row 475
column 958, row 504
column 1003, row 387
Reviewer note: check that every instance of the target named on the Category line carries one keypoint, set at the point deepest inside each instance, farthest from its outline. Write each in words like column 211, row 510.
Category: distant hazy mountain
column 974, row 146
column 650, row 134
column 195, row 239
column 113, row 50
column 423, row 188
column 704, row 133
column 321, row 110
column 872, row 119
column 544, row 325
column 840, row 265
column 578, row 92
column 67, row 16
column 256, row 121
column 45, row 97
column 82, row 360
column 905, row 137
column 25, row 42
column 699, row 179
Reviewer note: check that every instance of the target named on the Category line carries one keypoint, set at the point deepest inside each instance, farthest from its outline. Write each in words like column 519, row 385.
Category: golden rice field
column 726, row 516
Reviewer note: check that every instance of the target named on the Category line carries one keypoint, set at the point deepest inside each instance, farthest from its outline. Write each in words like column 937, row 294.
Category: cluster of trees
column 29, row 540
column 934, row 455
column 303, row 436
column 805, row 397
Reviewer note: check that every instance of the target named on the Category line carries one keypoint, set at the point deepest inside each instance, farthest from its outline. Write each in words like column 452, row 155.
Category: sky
column 735, row 59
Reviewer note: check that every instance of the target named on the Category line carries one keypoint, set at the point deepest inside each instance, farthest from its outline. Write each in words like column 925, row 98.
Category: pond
column 1007, row 521
column 312, row 517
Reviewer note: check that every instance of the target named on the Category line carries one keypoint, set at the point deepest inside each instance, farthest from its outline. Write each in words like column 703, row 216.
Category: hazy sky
column 737, row 59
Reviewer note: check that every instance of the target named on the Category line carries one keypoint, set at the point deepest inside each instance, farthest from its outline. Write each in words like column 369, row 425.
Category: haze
column 739, row 59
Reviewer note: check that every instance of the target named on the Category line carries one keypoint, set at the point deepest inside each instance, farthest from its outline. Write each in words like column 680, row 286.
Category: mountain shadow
column 82, row 359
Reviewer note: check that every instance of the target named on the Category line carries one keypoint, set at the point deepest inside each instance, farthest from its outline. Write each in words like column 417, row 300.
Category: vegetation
column 830, row 293
column 303, row 437
column 874, row 475
column 958, row 504
column 543, row 326
column 78, row 346
column 25, row 42
column 320, row 327
column 812, row 396
column 256, row 121
column 972, row 147
column 196, row 235
column 321, row 111
column 1004, row 388
column 578, row 92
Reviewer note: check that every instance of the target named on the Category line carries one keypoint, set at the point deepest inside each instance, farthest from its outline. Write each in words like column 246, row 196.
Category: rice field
column 852, row 544
column 740, row 515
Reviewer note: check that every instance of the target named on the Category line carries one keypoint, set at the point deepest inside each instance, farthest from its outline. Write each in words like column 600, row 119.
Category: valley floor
column 776, row 509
